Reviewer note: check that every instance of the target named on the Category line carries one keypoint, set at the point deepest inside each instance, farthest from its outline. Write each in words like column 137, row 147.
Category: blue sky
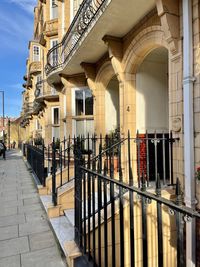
column 16, row 29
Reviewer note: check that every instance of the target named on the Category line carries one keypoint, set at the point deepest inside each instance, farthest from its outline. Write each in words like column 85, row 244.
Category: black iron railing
column 60, row 53
column 103, row 232
column 24, row 149
column 35, row 157
column 60, row 158
column 43, row 89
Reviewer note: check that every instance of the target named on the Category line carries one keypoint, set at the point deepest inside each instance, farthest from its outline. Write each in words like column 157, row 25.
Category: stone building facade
column 132, row 66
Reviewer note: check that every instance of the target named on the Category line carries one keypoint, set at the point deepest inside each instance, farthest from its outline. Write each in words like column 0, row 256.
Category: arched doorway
column 152, row 114
column 112, row 105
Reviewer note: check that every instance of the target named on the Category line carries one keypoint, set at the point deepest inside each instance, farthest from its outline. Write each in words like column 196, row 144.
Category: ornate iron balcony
column 44, row 91
column 60, row 53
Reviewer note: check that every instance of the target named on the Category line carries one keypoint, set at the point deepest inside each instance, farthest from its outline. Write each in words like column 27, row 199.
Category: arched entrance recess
column 142, row 45
column 112, row 105
column 152, row 108
column 105, row 85
column 152, row 112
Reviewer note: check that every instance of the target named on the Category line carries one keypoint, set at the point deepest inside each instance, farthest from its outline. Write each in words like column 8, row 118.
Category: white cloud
column 27, row 5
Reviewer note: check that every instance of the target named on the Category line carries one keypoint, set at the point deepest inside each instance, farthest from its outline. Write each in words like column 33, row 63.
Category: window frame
column 53, row 53
column 74, row 102
column 52, row 115
column 51, row 9
column 36, row 55
column 83, row 117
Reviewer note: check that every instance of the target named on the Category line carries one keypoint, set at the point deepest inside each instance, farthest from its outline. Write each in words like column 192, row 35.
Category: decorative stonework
column 143, row 43
column 168, row 11
column 51, row 28
column 177, row 124
column 34, row 67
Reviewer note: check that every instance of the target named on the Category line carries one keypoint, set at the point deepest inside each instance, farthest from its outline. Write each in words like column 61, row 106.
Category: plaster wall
column 152, row 111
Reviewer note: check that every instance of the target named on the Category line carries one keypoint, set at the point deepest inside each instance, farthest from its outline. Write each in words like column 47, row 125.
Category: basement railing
column 120, row 224
column 60, row 53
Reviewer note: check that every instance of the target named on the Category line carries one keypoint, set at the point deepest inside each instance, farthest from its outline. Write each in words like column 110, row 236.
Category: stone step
column 46, row 201
column 63, row 228
column 65, row 187
column 69, row 214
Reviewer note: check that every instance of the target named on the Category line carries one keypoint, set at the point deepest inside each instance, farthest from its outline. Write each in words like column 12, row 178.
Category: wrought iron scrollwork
column 60, row 53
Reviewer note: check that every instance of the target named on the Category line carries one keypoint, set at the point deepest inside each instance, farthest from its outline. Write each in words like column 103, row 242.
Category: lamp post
column 3, row 114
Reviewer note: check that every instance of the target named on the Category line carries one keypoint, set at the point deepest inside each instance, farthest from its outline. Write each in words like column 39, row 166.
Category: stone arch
column 103, row 77
column 146, row 41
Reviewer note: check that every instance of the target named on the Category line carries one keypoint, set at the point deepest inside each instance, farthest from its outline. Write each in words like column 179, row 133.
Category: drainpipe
column 188, row 80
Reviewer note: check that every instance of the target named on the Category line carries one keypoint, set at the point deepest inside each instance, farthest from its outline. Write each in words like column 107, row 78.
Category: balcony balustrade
column 45, row 92
column 35, row 67
column 51, row 27
column 60, row 53
column 28, row 108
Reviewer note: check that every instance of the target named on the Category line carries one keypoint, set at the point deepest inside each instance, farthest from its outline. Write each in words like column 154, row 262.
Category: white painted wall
column 152, row 108
column 74, row 6
column 112, row 105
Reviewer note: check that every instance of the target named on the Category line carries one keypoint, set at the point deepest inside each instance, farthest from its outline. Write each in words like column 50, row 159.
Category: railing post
column 131, row 202
column 144, row 223
column 60, row 154
column 64, row 152
column 54, row 192
column 78, row 192
column 68, row 159
column 48, row 159
column 171, row 141
column 43, row 165
column 179, row 227
column 159, row 223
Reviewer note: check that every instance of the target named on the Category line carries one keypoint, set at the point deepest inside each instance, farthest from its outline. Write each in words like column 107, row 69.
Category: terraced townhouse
column 117, row 80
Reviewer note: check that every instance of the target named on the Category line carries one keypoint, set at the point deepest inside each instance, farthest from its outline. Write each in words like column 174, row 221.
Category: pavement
column 26, row 238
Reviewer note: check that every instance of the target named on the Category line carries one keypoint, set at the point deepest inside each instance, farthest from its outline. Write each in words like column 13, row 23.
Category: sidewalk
column 26, row 238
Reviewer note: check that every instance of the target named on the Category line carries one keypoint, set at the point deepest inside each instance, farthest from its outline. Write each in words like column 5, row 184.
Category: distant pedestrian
column 2, row 149
column 13, row 144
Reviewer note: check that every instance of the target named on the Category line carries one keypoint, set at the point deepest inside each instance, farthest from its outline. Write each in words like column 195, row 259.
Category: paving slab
column 30, row 201
column 4, row 211
column 41, row 240
column 8, row 232
column 12, row 261
column 11, row 203
column 36, row 215
column 26, row 238
column 12, row 220
column 14, row 246
column 42, row 258
column 32, row 227
column 28, row 209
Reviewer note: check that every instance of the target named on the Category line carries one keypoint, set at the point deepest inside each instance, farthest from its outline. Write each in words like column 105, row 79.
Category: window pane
column 54, row 53
column 88, row 102
column 79, row 102
column 36, row 53
column 56, row 132
column 89, row 127
column 54, row 10
column 80, row 128
column 55, row 116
